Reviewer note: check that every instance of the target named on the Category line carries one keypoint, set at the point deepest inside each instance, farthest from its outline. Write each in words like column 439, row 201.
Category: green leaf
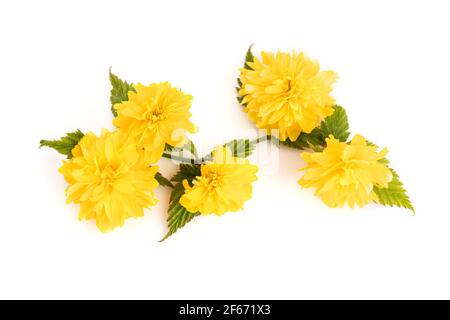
column 187, row 171
column 177, row 192
column 249, row 57
column 394, row 194
column 306, row 140
column 168, row 147
column 336, row 124
column 178, row 216
column 241, row 148
column 163, row 181
column 239, row 98
column 188, row 146
column 119, row 91
column 65, row 144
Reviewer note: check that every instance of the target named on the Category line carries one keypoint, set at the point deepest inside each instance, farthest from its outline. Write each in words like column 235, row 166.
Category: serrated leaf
column 187, row 171
column 336, row 124
column 394, row 194
column 163, row 181
column 188, row 146
column 241, row 148
column 175, row 195
column 168, row 147
column 249, row 57
column 239, row 98
column 384, row 161
column 178, row 216
column 306, row 140
column 65, row 144
column 119, row 91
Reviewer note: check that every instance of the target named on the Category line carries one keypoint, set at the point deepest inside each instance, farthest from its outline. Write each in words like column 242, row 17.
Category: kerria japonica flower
column 346, row 173
column 287, row 92
column 224, row 185
column 155, row 115
column 110, row 179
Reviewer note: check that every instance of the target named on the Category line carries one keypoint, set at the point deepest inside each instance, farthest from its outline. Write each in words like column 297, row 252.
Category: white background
column 393, row 61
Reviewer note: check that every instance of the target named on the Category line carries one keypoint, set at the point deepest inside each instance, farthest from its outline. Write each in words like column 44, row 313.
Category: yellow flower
column 287, row 92
column 225, row 184
column 346, row 173
column 110, row 179
column 155, row 115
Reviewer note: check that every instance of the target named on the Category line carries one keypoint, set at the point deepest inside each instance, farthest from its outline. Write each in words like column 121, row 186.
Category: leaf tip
column 164, row 238
column 111, row 74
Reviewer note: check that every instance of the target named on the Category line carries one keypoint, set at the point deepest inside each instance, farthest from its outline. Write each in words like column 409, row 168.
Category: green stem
column 178, row 158
column 208, row 157
column 266, row 138
column 255, row 141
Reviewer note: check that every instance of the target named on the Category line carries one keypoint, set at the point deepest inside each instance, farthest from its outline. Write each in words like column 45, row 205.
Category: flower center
column 213, row 181
column 108, row 175
column 289, row 88
column 155, row 116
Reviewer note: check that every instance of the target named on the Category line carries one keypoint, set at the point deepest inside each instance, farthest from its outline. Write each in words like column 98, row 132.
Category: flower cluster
column 112, row 177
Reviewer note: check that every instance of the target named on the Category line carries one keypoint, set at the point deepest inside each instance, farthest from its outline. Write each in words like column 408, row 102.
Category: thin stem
column 178, row 158
column 317, row 148
column 265, row 138
column 268, row 137
column 191, row 150
column 208, row 157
